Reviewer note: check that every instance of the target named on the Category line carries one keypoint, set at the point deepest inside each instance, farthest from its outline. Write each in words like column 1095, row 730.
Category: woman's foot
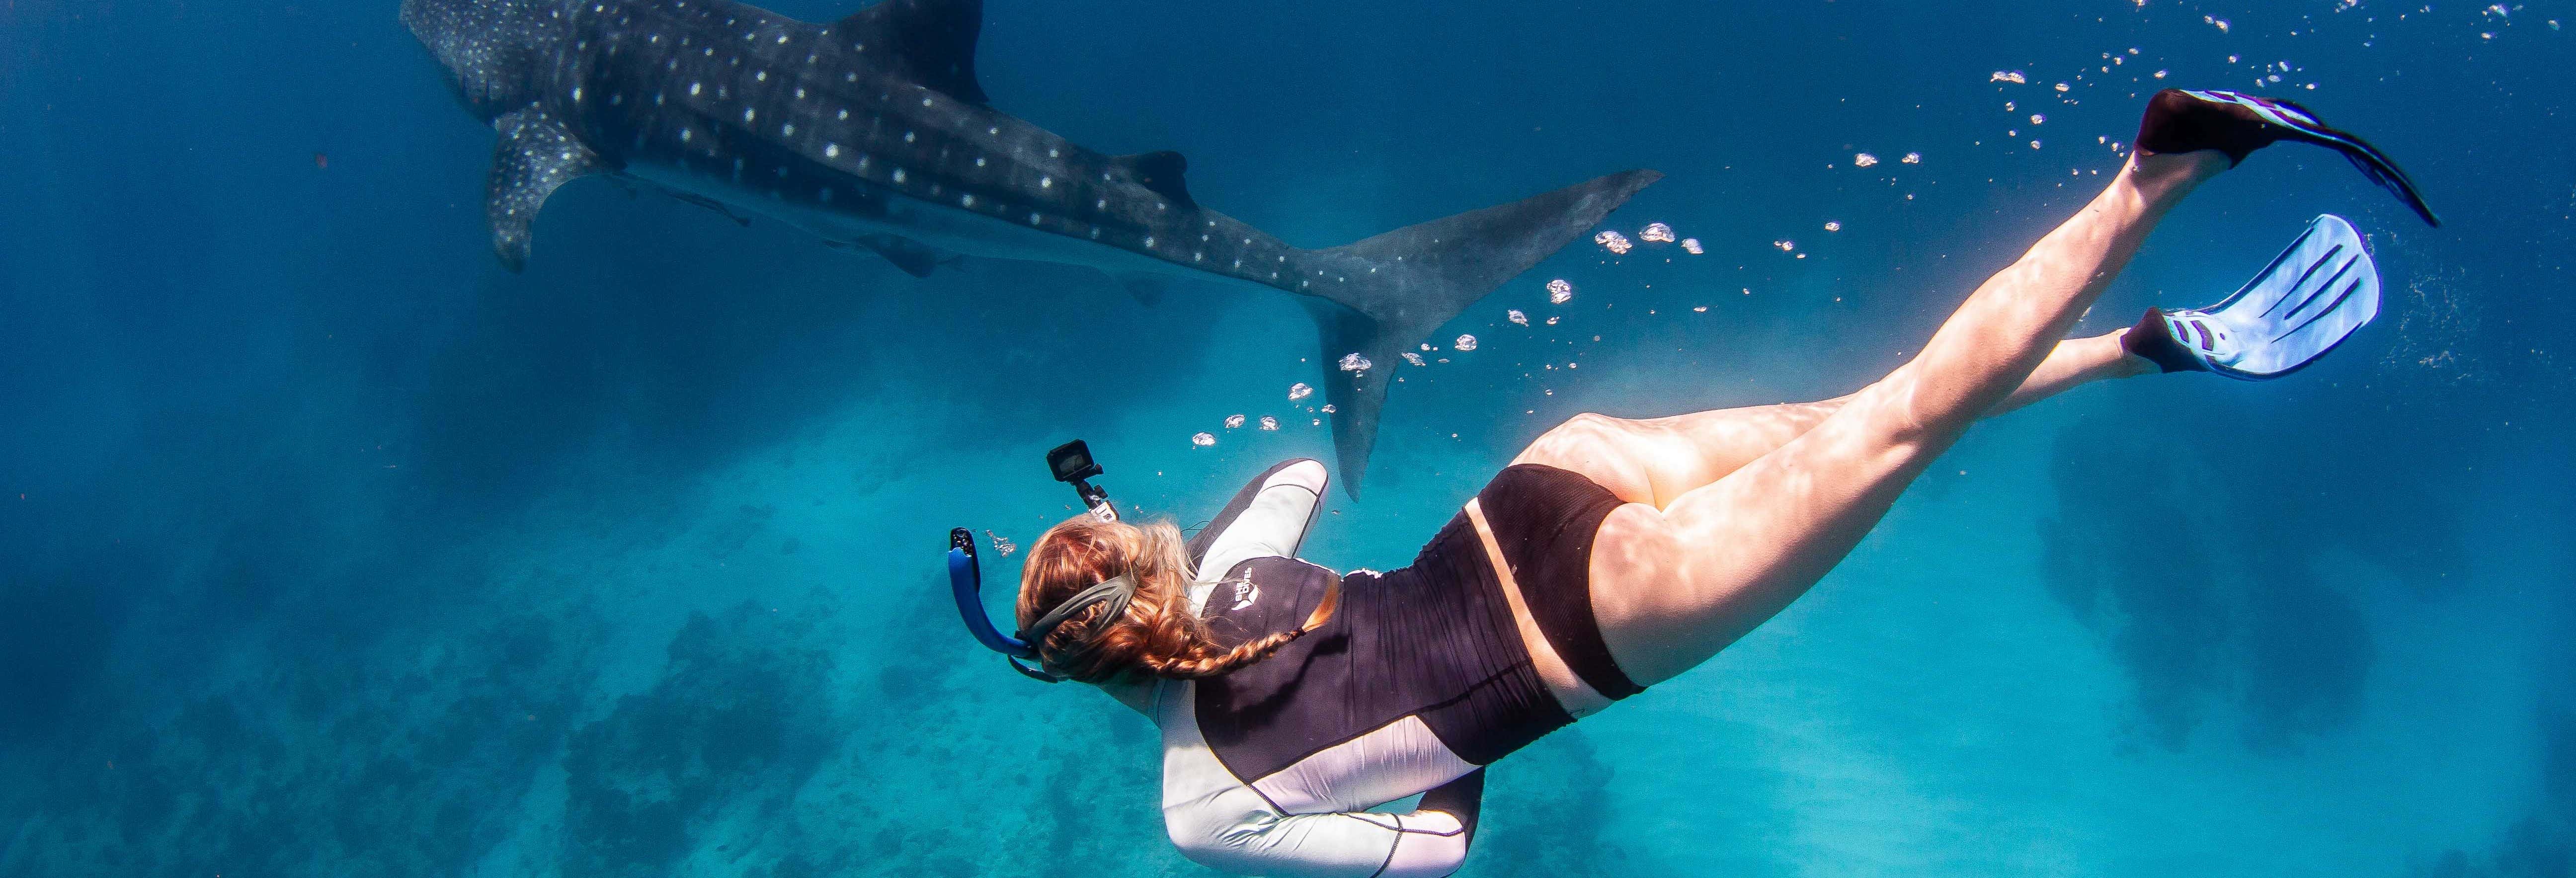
column 2237, row 124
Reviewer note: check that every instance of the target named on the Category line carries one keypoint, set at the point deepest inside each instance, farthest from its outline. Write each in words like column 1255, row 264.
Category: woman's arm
column 1235, row 830
column 1219, row 821
column 1269, row 517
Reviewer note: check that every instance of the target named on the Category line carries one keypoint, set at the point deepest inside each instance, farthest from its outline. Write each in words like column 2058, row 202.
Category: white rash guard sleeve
column 1222, row 822
column 1268, row 519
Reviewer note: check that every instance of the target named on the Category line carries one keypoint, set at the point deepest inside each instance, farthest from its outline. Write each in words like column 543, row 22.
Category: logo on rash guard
column 1245, row 593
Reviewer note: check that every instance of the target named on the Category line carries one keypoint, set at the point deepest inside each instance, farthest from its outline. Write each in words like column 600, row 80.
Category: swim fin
column 2305, row 303
column 2179, row 121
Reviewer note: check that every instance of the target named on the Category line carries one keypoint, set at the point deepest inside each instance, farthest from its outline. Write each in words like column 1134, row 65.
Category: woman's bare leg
column 1672, row 586
column 1656, row 460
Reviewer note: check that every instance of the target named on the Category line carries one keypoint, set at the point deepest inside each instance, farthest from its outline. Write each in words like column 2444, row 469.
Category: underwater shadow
column 2192, row 541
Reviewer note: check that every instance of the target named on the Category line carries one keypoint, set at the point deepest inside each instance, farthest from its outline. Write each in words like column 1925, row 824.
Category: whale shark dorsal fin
column 536, row 155
column 1160, row 171
column 931, row 42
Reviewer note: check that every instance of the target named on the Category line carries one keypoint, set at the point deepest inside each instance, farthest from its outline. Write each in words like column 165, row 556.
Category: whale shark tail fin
column 1384, row 295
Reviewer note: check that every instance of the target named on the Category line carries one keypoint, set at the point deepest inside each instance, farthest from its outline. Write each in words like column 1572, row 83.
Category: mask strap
column 1114, row 596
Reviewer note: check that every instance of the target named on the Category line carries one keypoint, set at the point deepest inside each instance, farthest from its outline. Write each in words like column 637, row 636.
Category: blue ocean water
column 327, row 547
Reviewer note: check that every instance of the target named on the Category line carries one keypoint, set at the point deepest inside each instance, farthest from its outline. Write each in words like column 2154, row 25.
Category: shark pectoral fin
column 915, row 258
column 1148, row 289
column 536, row 155
column 931, row 42
column 1161, row 172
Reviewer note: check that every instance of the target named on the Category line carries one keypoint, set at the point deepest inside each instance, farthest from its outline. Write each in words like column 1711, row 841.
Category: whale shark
column 873, row 132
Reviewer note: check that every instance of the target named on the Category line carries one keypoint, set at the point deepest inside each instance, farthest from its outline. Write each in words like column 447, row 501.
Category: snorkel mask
column 1073, row 465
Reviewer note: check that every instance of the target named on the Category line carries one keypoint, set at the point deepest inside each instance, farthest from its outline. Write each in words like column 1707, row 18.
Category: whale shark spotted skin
column 872, row 131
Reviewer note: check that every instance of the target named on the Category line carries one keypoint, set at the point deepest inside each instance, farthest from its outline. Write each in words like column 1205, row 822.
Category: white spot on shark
column 898, row 175
column 1046, row 182
column 748, row 113
column 694, row 88
column 831, row 150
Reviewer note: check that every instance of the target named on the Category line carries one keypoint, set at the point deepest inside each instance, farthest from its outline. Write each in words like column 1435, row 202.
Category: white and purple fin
column 2308, row 301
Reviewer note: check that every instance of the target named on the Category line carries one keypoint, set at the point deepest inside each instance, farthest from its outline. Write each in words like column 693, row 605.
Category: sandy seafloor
column 329, row 548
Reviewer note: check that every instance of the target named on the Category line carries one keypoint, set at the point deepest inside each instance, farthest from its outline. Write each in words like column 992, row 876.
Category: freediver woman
column 1302, row 712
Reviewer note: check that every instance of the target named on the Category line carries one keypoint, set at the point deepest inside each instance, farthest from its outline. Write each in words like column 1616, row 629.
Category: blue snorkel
column 1073, row 465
